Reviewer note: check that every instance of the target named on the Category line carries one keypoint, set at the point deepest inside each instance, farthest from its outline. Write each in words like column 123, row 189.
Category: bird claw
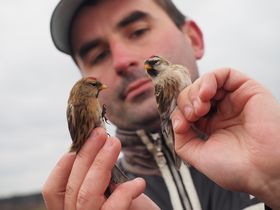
column 103, row 114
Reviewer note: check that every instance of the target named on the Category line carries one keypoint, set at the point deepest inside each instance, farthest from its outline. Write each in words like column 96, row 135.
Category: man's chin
column 144, row 112
column 139, row 114
column 141, row 99
column 136, row 121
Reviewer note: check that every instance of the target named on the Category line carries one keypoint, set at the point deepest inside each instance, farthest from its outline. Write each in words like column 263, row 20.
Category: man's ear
column 195, row 36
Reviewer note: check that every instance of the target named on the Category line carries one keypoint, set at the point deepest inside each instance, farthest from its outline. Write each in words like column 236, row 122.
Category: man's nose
column 124, row 58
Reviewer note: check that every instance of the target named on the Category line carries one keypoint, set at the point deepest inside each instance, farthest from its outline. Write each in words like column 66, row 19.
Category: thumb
column 124, row 194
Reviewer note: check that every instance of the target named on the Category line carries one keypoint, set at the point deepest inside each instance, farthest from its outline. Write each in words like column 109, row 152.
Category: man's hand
column 243, row 127
column 79, row 181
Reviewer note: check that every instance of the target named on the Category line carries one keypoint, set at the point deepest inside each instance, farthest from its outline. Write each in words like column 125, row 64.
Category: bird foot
column 103, row 114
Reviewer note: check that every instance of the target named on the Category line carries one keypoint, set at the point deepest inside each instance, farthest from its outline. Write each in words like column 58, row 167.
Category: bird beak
column 147, row 66
column 150, row 71
column 103, row 87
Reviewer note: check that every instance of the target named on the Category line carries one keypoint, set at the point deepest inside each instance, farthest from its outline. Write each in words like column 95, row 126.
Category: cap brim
column 60, row 23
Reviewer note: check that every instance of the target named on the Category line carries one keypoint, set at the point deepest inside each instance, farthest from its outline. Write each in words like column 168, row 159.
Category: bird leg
column 103, row 113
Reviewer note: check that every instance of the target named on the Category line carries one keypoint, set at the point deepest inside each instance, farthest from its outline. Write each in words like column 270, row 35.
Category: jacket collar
column 136, row 157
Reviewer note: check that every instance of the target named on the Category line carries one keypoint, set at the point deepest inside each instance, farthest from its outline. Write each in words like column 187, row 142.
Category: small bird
column 169, row 79
column 84, row 113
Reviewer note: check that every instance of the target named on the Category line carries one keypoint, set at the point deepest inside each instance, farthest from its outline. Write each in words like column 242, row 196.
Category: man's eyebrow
column 131, row 18
column 88, row 46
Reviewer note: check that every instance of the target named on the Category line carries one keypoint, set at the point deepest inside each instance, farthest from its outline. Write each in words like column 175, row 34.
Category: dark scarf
column 137, row 159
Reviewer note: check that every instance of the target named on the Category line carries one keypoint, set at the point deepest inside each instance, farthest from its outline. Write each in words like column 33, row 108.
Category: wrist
column 268, row 192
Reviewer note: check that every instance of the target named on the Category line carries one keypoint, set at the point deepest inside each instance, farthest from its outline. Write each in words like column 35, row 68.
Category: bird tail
column 118, row 175
column 169, row 138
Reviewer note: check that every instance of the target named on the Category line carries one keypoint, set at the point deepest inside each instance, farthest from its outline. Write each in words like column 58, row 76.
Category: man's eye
column 100, row 57
column 139, row 32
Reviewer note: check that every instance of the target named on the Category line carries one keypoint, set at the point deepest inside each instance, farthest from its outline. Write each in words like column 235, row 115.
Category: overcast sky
column 35, row 78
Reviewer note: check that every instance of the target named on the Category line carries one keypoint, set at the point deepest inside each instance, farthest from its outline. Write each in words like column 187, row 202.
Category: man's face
column 112, row 40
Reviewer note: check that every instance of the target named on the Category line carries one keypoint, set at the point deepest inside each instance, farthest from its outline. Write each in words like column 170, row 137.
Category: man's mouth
column 137, row 88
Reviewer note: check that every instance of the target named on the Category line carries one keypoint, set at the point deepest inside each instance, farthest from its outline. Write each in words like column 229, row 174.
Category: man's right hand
column 242, row 150
column 79, row 181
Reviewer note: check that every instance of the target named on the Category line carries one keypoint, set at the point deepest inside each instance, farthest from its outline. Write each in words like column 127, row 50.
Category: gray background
column 35, row 78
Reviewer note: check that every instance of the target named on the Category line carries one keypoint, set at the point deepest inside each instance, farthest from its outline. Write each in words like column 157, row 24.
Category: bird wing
column 183, row 75
column 169, row 138
column 71, row 120
column 80, row 124
column 166, row 105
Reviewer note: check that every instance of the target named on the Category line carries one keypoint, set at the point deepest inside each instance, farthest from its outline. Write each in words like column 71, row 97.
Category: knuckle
column 69, row 191
column 82, row 154
column 98, row 164
column 108, row 206
column 124, row 191
column 84, row 157
column 83, row 197
column 46, row 192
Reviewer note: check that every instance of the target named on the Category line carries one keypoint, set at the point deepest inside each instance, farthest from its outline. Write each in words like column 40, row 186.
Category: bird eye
column 154, row 62
column 93, row 84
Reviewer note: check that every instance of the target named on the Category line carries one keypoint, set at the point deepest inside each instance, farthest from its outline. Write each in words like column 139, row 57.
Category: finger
column 143, row 202
column 225, row 78
column 55, row 186
column 91, row 194
column 186, row 139
column 194, row 101
column 242, row 89
column 83, row 162
column 234, row 89
column 179, row 122
column 207, row 87
column 124, row 194
column 229, row 79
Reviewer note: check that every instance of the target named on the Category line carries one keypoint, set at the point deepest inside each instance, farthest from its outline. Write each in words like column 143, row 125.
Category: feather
column 84, row 113
column 169, row 79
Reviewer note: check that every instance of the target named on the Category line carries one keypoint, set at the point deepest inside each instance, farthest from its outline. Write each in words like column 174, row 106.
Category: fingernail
column 139, row 180
column 187, row 111
column 175, row 123
column 94, row 133
column 196, row 103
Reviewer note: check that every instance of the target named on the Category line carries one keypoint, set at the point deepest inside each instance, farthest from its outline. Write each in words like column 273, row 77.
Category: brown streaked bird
column 84, row 113
column 169, row 80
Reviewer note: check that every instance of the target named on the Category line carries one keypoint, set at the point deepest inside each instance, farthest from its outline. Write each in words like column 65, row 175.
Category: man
column 110, row 40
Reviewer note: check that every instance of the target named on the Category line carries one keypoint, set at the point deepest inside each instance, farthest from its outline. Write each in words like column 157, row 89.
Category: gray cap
column 61, row 21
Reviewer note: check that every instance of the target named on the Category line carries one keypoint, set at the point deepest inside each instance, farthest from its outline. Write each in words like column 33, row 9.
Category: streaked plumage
column 84, row 113
column 169, row 79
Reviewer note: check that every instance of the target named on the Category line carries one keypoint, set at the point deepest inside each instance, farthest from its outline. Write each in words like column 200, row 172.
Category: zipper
column 179, row 183
column 172, row 177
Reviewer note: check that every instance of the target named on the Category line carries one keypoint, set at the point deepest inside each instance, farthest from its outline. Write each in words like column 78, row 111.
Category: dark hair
column 172, row 11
